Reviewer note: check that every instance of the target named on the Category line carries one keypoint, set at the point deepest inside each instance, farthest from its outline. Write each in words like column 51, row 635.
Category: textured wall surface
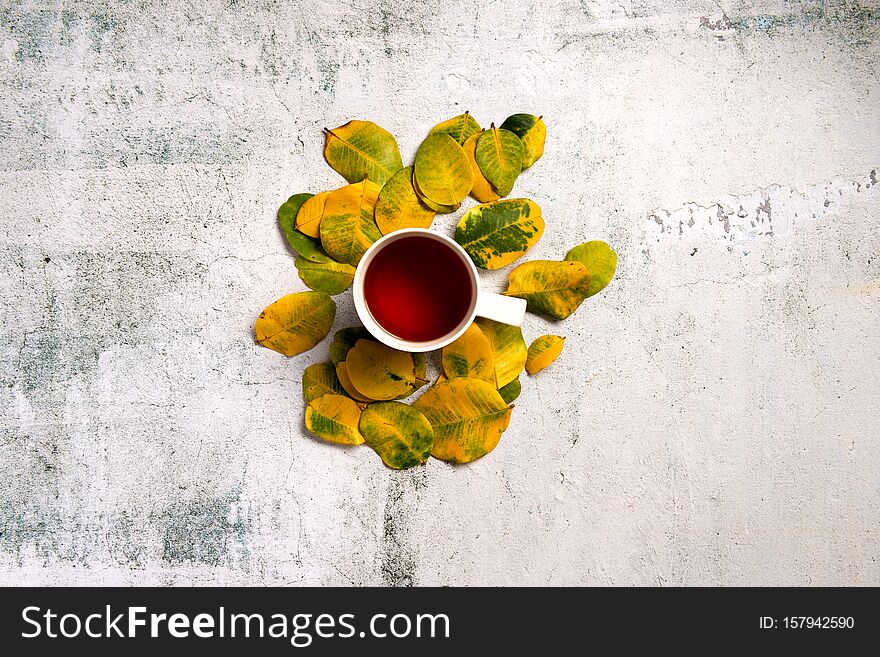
column 714, row 419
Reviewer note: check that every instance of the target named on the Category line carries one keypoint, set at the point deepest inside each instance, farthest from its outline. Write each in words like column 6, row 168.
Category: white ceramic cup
column 507, row 310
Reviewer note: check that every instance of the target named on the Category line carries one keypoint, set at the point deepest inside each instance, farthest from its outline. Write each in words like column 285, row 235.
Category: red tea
column 418, row 289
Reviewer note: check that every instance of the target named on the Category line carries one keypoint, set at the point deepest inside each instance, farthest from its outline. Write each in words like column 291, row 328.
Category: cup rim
column 376, row 329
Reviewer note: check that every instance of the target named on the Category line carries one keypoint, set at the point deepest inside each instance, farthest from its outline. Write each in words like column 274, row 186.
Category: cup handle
column 507, row 310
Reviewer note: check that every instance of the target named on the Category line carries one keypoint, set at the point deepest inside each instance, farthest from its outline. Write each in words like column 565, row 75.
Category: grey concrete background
column 713, row 420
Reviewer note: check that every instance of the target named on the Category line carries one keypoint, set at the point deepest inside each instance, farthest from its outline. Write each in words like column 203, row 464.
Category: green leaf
column 470, row 355
column 499, row 154
column 334, row 418
column 552, row 289
column 296, row 322
column 532, row 132
column 511, row 391
column 304, row 245
column 344, row 341
column 460, row 128
column 330, row 277
column 442, row 170
column 482, row 189
column 361, row 149
column 543, row 351
column 599, row 259
column 399, row 206
column 509, row 350
column 496, row 234
column 319, row 380
column 399, row 434
column 348, row 228
column 468, row 417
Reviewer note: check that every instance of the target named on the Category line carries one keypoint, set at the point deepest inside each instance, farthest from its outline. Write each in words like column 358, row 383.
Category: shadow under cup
column 418, row 288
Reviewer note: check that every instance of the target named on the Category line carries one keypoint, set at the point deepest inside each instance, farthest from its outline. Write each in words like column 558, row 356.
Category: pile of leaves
column 355, row 397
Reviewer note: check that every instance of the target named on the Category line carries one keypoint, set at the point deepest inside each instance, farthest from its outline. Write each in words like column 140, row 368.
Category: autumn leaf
column 460, row 128
column 552, row 289
column 499, row 154
column 330, row 277
column 496, row 234
column 296, row 322
column 344, row 340
column 399, row 434
column 470, row 355
column 348, row 228
column 436, row 207
column 334, row 418
column 542, row 352
column 532, row 132
column 511, row 391
column 482, row 189
column 306, row 246
column 468, row 417
column 599, row 259
column 399, row 206
column 508, row 349
column 319, row 380
column 348, row 386
column 380, row 372
column 308, row 218
column 442, row 170
column 361, row 149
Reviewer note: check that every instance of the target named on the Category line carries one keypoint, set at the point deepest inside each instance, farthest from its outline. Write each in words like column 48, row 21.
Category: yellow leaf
column 330, row 277
column 308, row 219
column 508, row 349
column 436, row 207
column 319, row 380
column 496, row 234
column 469, row 356
column 482, row 189
column 361, row 149
column 599, row 259
column 460, row 128
column 442, row 170
column 399, row 433
column 296, row 323
column 468, row 417
column 499, row 154
column 344, row 340
column 552, row 289
column 347, row 385
column 348, row 228
column 399, row 206
column 531, row 131
column 334, row 418
column 542, row 352
column 380, row 372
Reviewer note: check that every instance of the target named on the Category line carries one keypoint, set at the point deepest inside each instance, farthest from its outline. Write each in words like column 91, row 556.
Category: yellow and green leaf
column 442, row 170
column 511, row 391
column 499, row 154
column 599, row 259
column 361, row 149
column 399, row 206
column 307, row 247
column 436, row 207
column 532, row 132
column 460, row 128
column 331, row 277
column 400, row 434
column 482, row 189
column 348, row 228
column 469, row 356
column 543, row 351
column 496, row 234
column 551, row 288
column 468, row 417
column 334, row 418
column 380, row 372
column 344, row 340
column 319, row 380
column 296, row 322
column 509, row 349
column 308, row 218
column 348, row 386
